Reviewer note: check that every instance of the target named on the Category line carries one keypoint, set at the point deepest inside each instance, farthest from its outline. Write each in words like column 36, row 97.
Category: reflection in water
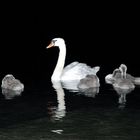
column 90, row 92
column 122, row 95
column 59, row 131
column 10, row 94
column 89, row 81
column 71, row 85
column 60, row 111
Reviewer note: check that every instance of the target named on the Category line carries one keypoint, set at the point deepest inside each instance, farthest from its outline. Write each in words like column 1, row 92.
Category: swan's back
column 70, row 66
column 77, row 71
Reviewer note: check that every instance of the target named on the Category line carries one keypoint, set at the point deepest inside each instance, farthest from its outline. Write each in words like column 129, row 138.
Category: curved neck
column 115, row 72
column 60, row 63
column 123, row 71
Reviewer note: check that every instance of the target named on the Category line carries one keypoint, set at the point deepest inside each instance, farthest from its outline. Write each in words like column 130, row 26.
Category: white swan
column 74, row 71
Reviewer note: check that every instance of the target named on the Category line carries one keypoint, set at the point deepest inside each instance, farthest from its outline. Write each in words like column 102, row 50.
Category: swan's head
column 56, row 42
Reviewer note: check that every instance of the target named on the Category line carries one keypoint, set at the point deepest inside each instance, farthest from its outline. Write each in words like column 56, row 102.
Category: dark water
column 41, row 112
column 106, row 36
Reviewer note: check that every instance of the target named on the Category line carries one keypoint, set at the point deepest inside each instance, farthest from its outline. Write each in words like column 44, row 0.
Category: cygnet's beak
column 50, row 45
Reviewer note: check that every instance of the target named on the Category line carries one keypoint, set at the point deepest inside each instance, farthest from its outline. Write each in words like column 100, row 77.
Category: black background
column 97, row 34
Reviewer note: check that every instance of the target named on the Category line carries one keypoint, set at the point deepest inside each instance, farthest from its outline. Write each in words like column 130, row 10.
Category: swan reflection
column 90, row 92
column 122, row 95
column 10, row 94
column 71, row 85
column 58, row 112
column 82, row 87
column 90, row 83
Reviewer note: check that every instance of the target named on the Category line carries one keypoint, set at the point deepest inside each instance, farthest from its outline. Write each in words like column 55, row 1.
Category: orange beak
column 50, row 45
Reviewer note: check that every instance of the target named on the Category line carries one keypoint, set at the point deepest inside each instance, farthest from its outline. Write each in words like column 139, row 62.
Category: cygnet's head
column 56, row 42
column 9, row 77
column 123, row 69
column 115, row 72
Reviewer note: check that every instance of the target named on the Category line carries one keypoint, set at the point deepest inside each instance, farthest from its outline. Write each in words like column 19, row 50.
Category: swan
column 73, row 71
column 9, row 82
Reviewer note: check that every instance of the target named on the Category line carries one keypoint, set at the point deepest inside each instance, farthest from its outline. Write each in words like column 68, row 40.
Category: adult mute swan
column 74, row 71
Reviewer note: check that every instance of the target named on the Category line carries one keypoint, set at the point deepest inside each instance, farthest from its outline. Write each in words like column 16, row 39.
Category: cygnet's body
column 121, row 79
column 9, row 82
column 89, row 81
column 120, row 73
column 10, row 94
column 123, row 83
column 111, row 78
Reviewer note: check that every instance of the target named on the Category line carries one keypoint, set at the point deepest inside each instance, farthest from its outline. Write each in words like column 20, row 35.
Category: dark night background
column 104, row 34
column 95, row 34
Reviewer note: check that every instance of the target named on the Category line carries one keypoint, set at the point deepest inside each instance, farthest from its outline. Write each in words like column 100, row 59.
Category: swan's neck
column 60, row 63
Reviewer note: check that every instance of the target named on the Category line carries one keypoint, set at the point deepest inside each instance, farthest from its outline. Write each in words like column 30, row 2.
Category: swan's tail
column 96, row 69
column 137, row 81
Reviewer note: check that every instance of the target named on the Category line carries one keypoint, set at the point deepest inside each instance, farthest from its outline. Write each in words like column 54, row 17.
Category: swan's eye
column 53, row 41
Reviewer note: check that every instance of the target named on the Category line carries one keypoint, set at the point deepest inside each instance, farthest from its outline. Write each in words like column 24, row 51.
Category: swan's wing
column 77, row 70
column 70, row 66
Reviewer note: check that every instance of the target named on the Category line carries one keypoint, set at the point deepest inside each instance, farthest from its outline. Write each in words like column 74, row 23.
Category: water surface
column 45, row 112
